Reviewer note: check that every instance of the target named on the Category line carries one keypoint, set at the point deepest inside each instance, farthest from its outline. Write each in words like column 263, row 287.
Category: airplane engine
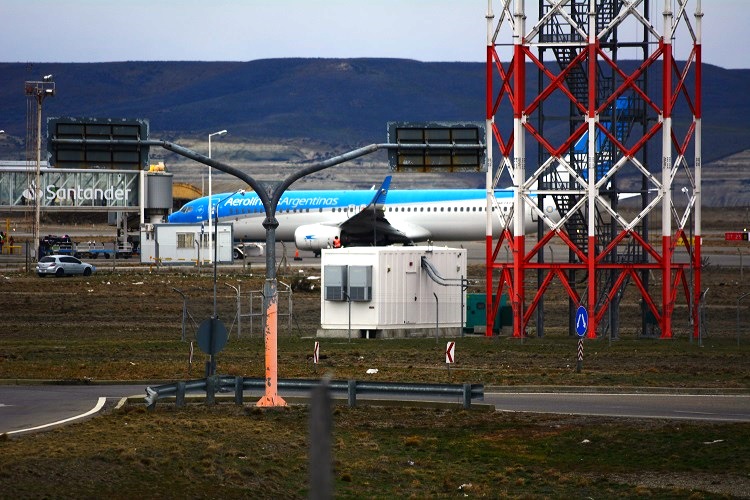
column 315, row 236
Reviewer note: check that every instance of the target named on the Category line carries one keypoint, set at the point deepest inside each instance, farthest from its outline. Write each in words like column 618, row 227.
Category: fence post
column 738, row 316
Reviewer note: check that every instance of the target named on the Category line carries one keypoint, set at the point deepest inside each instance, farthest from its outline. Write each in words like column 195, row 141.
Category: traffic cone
column 296, row 255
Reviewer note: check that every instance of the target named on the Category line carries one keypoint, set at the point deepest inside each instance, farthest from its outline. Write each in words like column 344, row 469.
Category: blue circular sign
column 582, row 321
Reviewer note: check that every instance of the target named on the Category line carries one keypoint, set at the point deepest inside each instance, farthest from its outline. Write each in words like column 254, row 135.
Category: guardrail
column 224, row 383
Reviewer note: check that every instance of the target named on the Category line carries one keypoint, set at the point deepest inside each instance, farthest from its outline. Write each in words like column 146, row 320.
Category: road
column 717, row 408
column 31, row 408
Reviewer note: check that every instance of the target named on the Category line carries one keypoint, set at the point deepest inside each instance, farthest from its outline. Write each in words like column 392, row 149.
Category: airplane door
column 411, row 299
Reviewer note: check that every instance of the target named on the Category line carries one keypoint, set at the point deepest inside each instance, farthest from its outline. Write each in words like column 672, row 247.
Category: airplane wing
column 365, row 228
column 370, row 223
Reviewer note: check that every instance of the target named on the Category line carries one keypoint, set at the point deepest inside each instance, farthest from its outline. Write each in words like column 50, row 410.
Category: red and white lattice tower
column 629, row 83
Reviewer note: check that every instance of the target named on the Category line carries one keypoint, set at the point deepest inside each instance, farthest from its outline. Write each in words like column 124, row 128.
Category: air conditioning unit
column 335, row 282
column 360, row 283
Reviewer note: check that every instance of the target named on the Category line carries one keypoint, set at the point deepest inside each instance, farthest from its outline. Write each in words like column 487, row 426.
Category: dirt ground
column 137, row 307
column 142, row 299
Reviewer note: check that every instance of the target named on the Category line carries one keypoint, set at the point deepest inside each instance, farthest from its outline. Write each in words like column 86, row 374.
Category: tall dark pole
column 39, row 90
column 270, row 201
column 216, row 252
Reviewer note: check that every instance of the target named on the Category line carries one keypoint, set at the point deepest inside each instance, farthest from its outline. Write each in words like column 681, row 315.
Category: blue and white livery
column 313, row 219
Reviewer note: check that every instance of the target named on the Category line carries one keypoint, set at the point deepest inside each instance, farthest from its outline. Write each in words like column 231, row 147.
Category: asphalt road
column 33, row 408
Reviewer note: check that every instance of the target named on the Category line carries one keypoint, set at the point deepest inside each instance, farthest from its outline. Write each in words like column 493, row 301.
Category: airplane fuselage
column 435, row 215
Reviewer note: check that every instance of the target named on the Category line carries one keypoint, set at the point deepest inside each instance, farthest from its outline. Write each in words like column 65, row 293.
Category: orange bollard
column 271, row 398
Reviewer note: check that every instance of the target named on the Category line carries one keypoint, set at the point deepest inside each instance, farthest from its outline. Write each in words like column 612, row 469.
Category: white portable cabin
column 185, row 243
column 394, row 291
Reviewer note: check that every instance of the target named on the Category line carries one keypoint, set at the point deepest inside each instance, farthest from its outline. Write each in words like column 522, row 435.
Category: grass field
column 126, row 326
column 232, row 451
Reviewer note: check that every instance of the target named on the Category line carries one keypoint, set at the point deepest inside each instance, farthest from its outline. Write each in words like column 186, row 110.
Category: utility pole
column 39, row 90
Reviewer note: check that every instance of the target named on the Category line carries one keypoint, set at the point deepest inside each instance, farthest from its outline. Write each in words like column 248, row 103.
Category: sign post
column 582, row 325
column 316, row 355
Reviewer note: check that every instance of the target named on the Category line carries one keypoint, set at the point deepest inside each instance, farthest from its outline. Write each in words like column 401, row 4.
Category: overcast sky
column 244, row 30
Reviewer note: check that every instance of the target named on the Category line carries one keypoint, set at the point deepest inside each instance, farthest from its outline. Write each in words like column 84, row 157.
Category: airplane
column 314, row 219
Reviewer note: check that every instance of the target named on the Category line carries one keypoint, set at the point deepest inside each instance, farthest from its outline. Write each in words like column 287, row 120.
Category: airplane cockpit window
column 186, row 209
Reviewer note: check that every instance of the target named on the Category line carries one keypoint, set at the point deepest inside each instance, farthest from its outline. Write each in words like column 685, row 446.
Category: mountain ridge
column 317, row 107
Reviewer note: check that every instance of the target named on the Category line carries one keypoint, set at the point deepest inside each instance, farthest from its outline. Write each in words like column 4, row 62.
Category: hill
column 289, row 111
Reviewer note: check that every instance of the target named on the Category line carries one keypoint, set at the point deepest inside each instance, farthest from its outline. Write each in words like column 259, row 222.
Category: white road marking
column 95, row 409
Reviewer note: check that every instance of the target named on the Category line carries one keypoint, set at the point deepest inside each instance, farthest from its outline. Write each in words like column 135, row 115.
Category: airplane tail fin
column 379, row 198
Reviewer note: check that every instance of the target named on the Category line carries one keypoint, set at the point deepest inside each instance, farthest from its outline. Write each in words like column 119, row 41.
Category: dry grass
column 234, row 451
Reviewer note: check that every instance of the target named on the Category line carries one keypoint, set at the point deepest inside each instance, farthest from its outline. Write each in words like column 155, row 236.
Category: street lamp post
column 220, row 133
column 270, row 198
column 39, row 90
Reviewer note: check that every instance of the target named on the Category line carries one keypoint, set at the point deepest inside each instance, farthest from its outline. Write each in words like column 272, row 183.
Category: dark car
column 62, row 265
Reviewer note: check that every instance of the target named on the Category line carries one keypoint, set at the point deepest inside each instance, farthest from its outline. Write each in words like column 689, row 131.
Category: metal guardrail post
column 239, row 385
column 352, row 393
column 180, row 395
column 467, row 396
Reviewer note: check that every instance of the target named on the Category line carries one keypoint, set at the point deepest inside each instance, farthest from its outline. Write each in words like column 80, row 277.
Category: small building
column 170, row 244
column 394, row 291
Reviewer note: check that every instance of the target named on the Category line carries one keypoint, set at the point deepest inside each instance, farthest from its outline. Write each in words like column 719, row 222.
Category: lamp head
column 47, row 78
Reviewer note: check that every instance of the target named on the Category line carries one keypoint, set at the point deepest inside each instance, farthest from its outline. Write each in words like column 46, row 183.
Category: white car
column 62, row 265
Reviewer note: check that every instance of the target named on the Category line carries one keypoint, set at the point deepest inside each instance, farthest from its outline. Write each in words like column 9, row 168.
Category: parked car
column 62, row 265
